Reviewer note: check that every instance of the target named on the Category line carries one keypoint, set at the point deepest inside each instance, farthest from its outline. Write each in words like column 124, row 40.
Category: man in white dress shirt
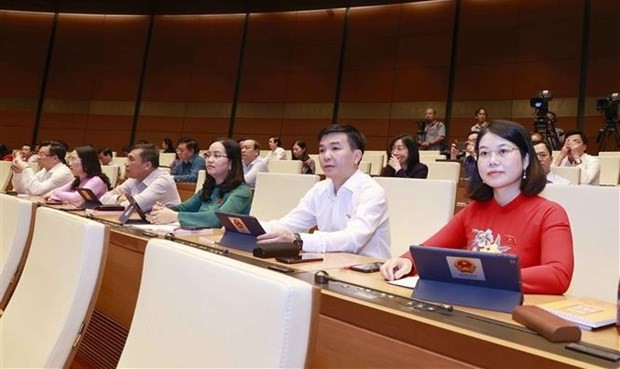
column 146, row 182
column 54, row 172
column 252, row 163
column 543, row 153
column 349, row 208
column 573, row 155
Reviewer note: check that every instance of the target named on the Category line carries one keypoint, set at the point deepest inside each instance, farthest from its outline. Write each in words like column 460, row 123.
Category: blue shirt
column 188, row 171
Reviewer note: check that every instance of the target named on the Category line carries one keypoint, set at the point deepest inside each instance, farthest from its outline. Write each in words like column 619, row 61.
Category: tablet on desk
column 469, row 278
column 241, row 230
column 133, row 206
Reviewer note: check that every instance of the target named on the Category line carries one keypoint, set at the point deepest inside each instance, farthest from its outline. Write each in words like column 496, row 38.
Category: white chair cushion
column 277, row 193
column 14, row 231
column 594, row 217
column 42, row 320
column 418, row 208
column 285, row 166
column 196, row 309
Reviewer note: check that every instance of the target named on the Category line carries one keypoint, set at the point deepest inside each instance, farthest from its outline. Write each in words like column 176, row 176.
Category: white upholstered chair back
column 202, row 175
column 365, row 167
column 594, row 217
column 112, row 171
column 276, row 194
column 5, row 174
column 317, row 164
column 53, row 297
column 285, row 166
column 610, row 170
column 166, row 159
column 431, row 157
column 609, row 153
column 196, row 309
column 15, row 227
column 376, row 159
column 446, row 170
column 417, row 208
column 120, row 161
column 573, row 174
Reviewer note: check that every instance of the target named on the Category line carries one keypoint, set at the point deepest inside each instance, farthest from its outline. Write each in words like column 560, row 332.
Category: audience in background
column 5, row 153
column 146, row 182
column 105, row 156
column 277, row 151
column 481, row 120
column 544, row 155
column 30, row 153
column 252, row 163
column 559, row 132
column 467, row 156
column 434, row 132
column 349, row 208
column 86, row 169
column 167, row 146
column 223, row 190
column 404, row 159
column 53, row 174
column 505, row 190
column 189, row 162
column 573, row 155
column 299, row 151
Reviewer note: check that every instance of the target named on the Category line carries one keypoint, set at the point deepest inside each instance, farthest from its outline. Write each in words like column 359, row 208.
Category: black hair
column 302, row 145
column 56, row 148
column 535, row 180
column 148, row 153
column 356, row 139
column 413, row 157
column 276, row 140
column 106, row 151
column 235, row 174
column 584, row 139
column 547, row 145
column 190, row 143
column 4, row 150
column 90, row 165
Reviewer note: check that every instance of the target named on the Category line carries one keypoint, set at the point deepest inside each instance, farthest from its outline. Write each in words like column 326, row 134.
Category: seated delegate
column 404, row 159
column 224, row 190
column 86, row 168
column 507, row 215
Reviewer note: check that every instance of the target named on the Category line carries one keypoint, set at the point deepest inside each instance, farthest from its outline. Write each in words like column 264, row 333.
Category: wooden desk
column 357, row 326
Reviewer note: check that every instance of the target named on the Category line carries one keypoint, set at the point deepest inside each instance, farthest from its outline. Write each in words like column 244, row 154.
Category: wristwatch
column 298, row 241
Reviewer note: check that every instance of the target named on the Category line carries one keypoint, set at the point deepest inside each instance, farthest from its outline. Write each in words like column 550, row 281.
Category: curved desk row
column 363, row 321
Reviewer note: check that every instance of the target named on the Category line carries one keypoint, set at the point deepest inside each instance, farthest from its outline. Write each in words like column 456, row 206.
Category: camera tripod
column 546, row 129
column 608, row 137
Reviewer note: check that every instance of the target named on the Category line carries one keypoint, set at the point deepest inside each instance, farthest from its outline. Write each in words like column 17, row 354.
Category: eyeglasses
column 214, row 155
column 542, row 155
column 502, row 153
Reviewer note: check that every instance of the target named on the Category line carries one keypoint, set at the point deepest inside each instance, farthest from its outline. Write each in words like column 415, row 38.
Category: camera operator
column 573, row 155
column 434, row 132
column 559, row 132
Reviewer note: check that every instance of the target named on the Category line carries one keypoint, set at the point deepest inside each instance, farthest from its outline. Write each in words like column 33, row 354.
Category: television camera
column 542, row 124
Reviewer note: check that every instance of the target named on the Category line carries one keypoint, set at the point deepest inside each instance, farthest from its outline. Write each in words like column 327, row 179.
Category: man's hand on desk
column 396, row 268
column 276, row 235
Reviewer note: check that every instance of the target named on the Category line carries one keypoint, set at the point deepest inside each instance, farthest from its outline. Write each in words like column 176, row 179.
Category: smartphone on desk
column 367, row 268
column 302, row 258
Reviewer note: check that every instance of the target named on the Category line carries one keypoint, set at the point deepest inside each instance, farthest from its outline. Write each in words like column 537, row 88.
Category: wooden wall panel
column 93, row 79
column 24, row 38
column 190, row 77
column 396, row 64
